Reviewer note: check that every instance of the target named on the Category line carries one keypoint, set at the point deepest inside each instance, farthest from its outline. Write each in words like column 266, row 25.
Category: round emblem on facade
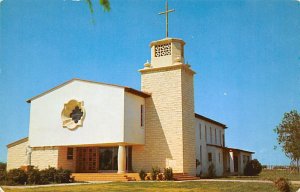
column 73, row 114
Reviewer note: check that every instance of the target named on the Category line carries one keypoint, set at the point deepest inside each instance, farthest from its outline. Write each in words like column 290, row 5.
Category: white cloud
column 225, row 94
column 1, row 1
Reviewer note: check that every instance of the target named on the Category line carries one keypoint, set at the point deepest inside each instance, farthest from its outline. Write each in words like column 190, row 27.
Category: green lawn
column 161, row 186
column 271, row 175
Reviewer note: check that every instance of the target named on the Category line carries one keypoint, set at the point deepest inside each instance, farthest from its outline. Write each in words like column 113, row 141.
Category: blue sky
column 246, row 55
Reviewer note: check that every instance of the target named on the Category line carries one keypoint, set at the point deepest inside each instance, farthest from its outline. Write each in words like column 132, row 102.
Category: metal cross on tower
column 167, row 17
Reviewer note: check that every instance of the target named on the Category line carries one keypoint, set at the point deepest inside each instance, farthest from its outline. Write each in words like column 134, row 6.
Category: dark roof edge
column 128, row 89
column 210, row 120
column 17, row 142
column 229, row 148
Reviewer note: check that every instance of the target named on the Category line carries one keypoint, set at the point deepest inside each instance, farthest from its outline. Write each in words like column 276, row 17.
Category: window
column 200, row 130
column 210, row 135
column 209, row 157
column 70, row 153
column 142, row 115
column 220, row 137
column 215, row 136
column 205, row 134
column 223, row 141
column 200, row 154
column 219, row 157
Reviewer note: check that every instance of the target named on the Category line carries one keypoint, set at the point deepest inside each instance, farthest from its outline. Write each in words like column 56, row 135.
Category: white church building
column 93, row 127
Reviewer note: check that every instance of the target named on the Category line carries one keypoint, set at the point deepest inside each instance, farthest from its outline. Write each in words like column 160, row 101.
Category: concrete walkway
column 96, row 182
column 52, row 185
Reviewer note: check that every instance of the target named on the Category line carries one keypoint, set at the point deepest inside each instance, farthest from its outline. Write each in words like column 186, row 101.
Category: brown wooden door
column 87, row 159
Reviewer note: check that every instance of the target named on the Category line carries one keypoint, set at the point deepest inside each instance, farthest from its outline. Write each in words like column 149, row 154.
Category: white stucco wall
column 206, row 139
column 134, row 132
column 103, row 123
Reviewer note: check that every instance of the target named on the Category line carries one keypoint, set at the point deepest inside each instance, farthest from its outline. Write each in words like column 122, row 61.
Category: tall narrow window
column 205, row 134
column 220, row 137
column 200, row 154
column 142, row 115
column 223, row 141
column 210, row 135
column 219, row 157
column 215, row 136
column 70, row 153
column 200, row 130
column 209, row 155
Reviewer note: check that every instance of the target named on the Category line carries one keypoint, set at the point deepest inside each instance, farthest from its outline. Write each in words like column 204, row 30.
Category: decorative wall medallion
column 73, row 114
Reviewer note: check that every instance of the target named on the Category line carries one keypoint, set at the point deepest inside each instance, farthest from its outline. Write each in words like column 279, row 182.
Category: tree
column 288, row 132
column 104, row 3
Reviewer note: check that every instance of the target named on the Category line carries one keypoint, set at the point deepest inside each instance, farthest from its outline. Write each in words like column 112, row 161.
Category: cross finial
column 167, row 17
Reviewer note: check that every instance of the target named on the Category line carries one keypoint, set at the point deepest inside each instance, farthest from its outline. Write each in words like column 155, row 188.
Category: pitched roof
column 127, row 89
column 17, row 142
column 210, row 120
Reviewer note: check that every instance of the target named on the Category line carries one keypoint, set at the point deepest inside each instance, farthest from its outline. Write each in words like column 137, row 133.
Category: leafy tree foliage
column 104, row 3
column 288, row 132
column 252, row 168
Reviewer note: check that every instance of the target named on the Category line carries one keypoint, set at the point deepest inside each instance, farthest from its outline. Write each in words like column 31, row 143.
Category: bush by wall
column 282, row 185
column 168, row 173
column 154, row 173
column 16, row 177
column 35, row 176
column 252, row 168
column 142, row 175
column 211, row 173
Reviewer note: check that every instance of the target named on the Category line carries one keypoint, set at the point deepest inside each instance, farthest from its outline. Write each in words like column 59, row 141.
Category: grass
column 160, row 186
column 271, row 175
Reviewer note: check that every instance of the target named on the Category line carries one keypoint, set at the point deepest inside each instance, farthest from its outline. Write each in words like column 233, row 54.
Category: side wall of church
column 16, row 156
column 43, row 157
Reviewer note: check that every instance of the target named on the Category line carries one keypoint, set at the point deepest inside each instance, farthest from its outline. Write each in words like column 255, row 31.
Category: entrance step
column 184, row 177
column 105, row 177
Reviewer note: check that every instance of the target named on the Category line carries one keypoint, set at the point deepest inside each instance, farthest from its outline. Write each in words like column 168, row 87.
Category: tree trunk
column 297, row 165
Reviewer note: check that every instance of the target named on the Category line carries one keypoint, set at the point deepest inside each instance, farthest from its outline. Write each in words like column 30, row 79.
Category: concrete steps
column 105, row 177
column 184, row 177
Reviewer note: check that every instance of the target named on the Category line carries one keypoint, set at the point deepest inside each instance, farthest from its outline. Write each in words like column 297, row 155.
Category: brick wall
column 16, row 156
column 43, row 157
column 65, row 163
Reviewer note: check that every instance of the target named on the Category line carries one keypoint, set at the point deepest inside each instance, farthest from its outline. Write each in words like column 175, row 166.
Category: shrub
column 168, row 172
column 3, row 175
column 33, row 176
column 142, row 175
column 154, row 173
column 264, row 166
column 252, row 168
column 48, row 175
column 16, row 176
column 211, row 171
column 62, row 176
column 160, row 176
column 2, row 166
column 148, row 177
column 282, row 185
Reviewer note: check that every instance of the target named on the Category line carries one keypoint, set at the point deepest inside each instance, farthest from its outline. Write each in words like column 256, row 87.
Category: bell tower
column 169, row 128
column 169, row 115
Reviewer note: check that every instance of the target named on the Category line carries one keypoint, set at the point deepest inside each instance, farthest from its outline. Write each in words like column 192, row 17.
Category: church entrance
column 100, row 159
column 108, row 159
